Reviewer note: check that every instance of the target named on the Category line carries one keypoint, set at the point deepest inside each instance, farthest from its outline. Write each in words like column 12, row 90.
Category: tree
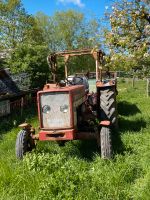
column 20, row 32
column 68, row 30
column 128, row 36
column 31, row 59
column 14, row 23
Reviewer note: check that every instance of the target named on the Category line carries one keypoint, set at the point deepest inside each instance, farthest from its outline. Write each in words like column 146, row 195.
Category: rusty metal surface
column 105, row 123
column 52, row 60
column 70, row 134
column 57, row 88
column 49, row 86
column 103, row 84
column 25, row 125
column 55, row 118
column 35, row 137
column 79, row 52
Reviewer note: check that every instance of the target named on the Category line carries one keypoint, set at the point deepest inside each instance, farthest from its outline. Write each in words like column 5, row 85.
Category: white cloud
column 75, row 2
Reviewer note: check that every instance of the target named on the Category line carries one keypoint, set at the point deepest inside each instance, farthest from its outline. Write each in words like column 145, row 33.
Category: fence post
column 148, row 87
column 133, row 81
column 22, row 104
column 115, row 75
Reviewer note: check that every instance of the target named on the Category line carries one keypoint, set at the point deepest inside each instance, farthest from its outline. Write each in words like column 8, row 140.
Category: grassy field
column 76, row 171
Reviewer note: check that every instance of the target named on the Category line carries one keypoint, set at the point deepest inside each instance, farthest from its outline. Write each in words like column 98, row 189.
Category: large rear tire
column 24, row 144
column 106, row 142
column 108, row 107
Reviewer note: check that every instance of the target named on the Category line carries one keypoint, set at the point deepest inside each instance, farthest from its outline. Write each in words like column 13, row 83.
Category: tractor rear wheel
column 108, row 108
column 106, row 142
column 24, row 143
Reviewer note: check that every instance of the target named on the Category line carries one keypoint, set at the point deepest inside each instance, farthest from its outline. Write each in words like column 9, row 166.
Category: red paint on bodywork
column 101, row 84
column 73, row 90
column 57, row 135
column 105, row 123
column 70, row 134
column 71, row 111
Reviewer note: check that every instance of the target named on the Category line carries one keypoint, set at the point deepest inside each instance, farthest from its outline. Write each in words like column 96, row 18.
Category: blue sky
column 91, row 8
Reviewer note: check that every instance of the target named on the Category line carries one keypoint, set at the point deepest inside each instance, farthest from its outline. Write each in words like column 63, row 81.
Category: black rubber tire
column 106, row 142
column 24, row 144
column 108, row 107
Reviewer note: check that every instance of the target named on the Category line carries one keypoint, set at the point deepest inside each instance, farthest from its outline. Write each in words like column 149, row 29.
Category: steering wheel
column 73, row 82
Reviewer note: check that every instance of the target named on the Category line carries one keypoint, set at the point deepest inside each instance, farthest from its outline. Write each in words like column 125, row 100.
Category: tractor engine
column 79, row 80
column 58, row 110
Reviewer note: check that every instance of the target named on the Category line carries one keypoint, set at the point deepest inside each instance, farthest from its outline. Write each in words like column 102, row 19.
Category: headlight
column 64, row 108
column 46, row 109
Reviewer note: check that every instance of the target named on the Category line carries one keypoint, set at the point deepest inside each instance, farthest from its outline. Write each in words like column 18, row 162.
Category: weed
column 76, row 170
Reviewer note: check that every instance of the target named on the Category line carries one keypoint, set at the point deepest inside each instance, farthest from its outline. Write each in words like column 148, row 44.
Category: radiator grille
column 55, row 118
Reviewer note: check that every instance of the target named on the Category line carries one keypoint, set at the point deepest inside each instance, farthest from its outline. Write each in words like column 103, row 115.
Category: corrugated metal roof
column 7, row 85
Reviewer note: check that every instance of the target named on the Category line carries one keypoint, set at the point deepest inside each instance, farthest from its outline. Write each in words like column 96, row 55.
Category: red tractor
column 67, row 111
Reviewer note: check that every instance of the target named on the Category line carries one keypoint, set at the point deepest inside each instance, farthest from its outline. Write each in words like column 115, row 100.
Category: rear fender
column 27, row 127
column 105, row 123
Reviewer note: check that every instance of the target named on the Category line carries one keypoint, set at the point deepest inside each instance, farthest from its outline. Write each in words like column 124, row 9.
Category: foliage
column 31, row 59
column 25, row 34
column 14, row 23
column 67, row 30
column 128, row 36
column 21, row 34
column 82, row 64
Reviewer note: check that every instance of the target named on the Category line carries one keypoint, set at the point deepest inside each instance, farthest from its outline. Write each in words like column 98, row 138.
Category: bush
column 31, row 59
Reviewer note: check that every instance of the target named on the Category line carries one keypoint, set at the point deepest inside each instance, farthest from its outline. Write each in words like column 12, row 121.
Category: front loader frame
column 98, row 56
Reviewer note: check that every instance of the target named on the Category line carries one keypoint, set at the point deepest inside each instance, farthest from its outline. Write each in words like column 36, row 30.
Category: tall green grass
column 76, row 171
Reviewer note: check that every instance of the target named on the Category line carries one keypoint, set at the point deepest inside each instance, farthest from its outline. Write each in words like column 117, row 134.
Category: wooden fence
column 9, row 106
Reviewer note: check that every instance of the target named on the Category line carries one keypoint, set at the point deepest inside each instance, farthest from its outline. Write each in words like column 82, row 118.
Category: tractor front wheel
column 24, row 143
column 106, row 142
